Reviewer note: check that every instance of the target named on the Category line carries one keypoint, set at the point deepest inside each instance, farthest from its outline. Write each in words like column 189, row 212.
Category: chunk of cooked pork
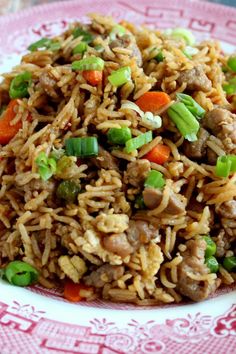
column 137, row 172
column 152, row 198
column 195, row 79
column 127, row 41
column 193, row 263
column 222, row 124
column 197, row 149
column 104, row 274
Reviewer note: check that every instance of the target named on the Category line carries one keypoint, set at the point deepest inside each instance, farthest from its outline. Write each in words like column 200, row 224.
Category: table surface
column 8, row 6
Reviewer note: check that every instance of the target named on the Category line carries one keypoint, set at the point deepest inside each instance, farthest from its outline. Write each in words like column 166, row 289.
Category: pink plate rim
column 55, row 5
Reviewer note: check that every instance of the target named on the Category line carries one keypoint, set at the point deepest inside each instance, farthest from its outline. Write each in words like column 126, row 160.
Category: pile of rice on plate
column 119, row 185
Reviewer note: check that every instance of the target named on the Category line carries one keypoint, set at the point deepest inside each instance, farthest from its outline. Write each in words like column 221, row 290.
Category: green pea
column 68, row 190
column 229, row 263
column 212, row 264
column 20, row 84
column 211, row 247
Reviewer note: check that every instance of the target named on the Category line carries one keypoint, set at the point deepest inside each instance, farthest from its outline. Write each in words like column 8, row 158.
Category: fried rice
column 116, row 248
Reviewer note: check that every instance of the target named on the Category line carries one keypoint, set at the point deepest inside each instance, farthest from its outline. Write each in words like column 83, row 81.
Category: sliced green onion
column 139, row 202
column 223, row 166
column 184, row 34
column 82, row 147
column 184, row 120
column 232, row 63
column 117, row 30
column 190, row 51
column 86, row 36
column 41, row 43
column 91, row 63
column 159, row 57
column 232, row 159
column 47, row 166
column 54, row 46
column 56, row 154
column 210, row 248
column 191, row 104
column 119, row 135
column 20, row 273
column 137, row 142
column 229, row 263
column 154, row 180
column 191, row 137
column 80, row 48
column 187, row 55
column 19, row 85
column 46, row 43
column 212, row 264
column 120, row 76
column 68, row 190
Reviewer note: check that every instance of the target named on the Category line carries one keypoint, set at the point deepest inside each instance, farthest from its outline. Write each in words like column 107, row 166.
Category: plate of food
column 117, row 178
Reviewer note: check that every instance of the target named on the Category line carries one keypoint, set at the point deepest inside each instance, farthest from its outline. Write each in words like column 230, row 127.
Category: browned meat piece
column 222, row 123
column 211, row 156
column 227, row 209
column 137, row 172
column 128, row 42
column 48, row 84
column 222, row 243
column 193, row 263
column 195, row 79
column 197, row 149
column 140, row 232
column 152, row 198
column 104, row 274
column 105, row 160
column 118, row 243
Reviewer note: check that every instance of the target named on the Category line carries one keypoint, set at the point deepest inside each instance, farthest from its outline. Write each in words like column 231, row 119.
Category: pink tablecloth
column 7, row 6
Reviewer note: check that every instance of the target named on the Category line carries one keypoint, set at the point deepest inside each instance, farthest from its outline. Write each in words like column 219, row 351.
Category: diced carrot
column 8, row 131
column 159, row 154
column 152, row 101
column 93, row 77
column 72, row 291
